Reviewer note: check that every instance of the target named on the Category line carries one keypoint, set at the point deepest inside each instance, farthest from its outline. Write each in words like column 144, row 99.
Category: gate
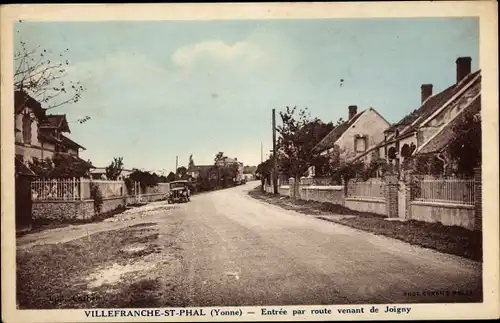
column 23, row 202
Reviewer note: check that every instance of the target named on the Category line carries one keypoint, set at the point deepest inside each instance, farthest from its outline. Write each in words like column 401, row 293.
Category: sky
column 160, row 89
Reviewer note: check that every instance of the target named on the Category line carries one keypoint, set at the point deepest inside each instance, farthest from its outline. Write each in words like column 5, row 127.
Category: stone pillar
column 409, row 191
column 304, row 181
column 391, row 195
column 291, row 183
column 478, row 200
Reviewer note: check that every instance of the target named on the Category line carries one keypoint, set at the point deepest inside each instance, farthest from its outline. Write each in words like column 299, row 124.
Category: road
column 241, row 251
column 225, row 248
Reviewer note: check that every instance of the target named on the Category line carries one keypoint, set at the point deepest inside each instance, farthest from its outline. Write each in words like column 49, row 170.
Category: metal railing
column 371, row 189
column 447, row 190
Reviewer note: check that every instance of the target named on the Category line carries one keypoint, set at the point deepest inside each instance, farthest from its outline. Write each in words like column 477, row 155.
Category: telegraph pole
column 261, row 160
column 275, row 158
column 176, row 163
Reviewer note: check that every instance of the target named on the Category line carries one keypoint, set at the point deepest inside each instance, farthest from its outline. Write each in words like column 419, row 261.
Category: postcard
column 250, row 162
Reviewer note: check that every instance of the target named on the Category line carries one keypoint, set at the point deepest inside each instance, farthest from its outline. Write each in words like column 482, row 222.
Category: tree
column 339, row 122
column 145, row 178
column 115, row 168
column 249, row 169
column 298, row 135
column 219, row 157
column 61, row 166
column 42, row 75
column 182, row 172
column 465, row 147
column 41, row 167
column 191, row 161
column 264, row 171
column 348, row 170
column 171, row 177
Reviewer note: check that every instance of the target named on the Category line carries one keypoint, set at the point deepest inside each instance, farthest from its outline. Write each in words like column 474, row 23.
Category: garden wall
column 445, row 213
column 60, row 211
column 363, row 204
column 330, row 194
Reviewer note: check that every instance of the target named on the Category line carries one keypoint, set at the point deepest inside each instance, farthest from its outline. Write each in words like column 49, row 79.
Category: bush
column 96, row 195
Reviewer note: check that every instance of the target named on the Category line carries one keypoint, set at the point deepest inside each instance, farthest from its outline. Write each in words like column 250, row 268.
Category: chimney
column 353, row 110
column 463, row 67
column 426, row 91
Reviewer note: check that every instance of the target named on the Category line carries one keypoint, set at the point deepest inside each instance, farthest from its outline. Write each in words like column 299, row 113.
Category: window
column 360, row 143
column 26, row 129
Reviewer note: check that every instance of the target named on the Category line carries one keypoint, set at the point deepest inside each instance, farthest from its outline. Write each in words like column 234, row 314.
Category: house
column 37, row 135
column 428, row 130
column 227, row 162
column 358, row 134
column 194, row 171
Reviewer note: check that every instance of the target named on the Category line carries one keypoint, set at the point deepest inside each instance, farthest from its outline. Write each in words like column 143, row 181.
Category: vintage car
column 179, row 192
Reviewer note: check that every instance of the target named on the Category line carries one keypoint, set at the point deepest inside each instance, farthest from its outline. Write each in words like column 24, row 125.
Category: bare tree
column 36, row 73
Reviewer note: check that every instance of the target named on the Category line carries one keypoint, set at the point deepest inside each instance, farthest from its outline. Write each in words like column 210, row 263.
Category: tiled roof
column 22, row 99
column 432, row 104
column 21, row 168
column 444, row 136
column 330, row 139
column 57, row 121
column 48, row 137
column 68, row 142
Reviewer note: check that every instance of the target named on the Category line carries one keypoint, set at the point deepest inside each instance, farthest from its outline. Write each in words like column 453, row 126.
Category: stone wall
column 63, row 210
column 60, row 211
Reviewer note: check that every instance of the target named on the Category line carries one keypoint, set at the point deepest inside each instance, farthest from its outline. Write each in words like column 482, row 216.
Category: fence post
column 391, row 197
column 478, row 200
column 291, row 183
column 81, row 189
column 408, row 193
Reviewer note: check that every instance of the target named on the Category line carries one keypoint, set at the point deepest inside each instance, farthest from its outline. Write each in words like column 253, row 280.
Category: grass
column 51, row 276
column 453, row 240
column 144, row 293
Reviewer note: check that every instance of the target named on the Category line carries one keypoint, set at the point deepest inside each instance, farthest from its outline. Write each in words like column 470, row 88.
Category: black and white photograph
column 243, row 168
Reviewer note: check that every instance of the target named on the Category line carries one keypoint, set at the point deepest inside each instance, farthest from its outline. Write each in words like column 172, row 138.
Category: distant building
column 194, row 171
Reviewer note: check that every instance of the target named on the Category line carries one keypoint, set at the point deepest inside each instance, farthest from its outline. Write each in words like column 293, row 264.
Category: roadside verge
column 447, row 239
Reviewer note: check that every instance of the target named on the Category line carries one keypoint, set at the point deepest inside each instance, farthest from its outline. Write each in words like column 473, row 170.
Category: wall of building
column 370, row 124
column 34, row 133
column 455, row 107
column 73, row 151
column 29, row 152
column 19, row 126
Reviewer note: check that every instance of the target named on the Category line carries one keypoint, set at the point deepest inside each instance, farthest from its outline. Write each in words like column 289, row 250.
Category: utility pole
column 275, row 157
column 176, row 163
column 261, row 160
